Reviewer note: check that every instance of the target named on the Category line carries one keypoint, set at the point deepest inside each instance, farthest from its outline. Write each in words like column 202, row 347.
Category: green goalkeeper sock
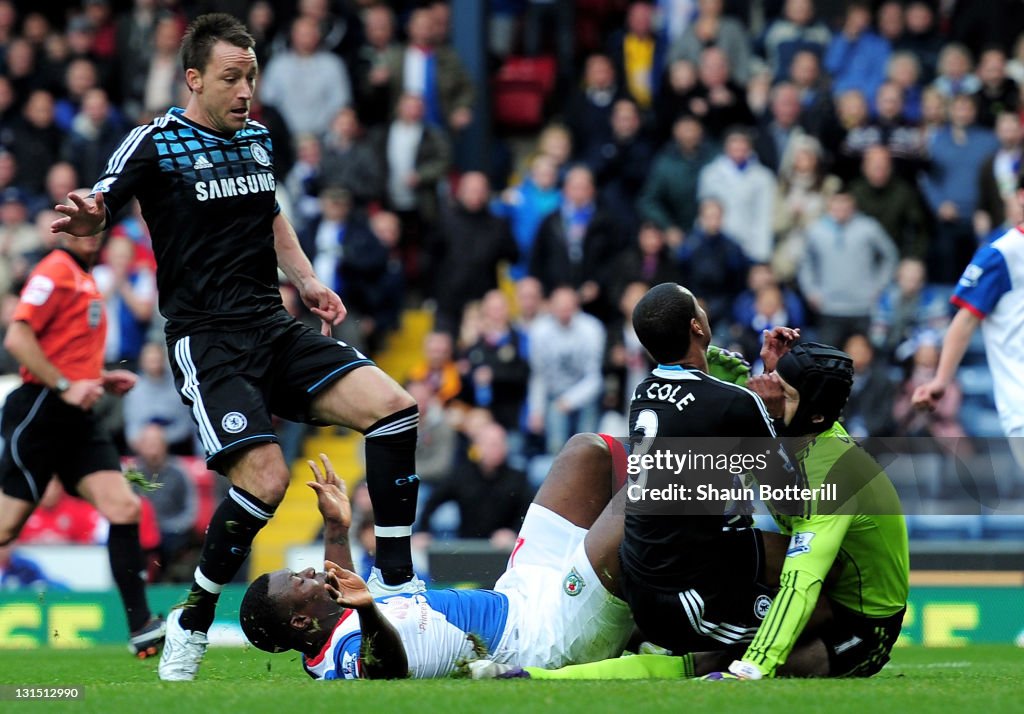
column 632, row 667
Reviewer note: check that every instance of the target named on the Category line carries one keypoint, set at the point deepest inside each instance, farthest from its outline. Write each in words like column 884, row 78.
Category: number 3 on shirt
column 641, row 440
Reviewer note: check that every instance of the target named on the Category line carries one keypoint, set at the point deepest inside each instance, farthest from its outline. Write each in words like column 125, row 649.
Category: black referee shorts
column 44, row 436
column 234, row 381
column 719, row 608
column 859, row 646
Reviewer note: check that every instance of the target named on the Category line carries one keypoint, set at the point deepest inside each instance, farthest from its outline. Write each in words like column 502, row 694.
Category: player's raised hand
column 769, row 388
column 324, row 303
column 927, row 396
column 777, row 342
column 345, row 587
column 331, row 498
column 82, row 217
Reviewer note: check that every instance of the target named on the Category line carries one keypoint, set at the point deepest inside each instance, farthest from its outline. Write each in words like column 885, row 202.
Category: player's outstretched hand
column 769, row 388
column 927, row 396
column 345, row 587
column 118, row 381
column 777, row 342
column 331, row 498
column 324, row 303
column 83, row 217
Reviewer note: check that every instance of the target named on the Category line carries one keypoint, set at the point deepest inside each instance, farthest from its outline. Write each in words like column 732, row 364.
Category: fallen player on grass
column 556, row 603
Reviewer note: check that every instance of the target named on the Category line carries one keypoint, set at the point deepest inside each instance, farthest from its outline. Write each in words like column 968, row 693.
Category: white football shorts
column 559, row 611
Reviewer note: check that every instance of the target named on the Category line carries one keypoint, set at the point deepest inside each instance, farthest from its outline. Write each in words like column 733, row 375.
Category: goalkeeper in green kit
column 847, row 563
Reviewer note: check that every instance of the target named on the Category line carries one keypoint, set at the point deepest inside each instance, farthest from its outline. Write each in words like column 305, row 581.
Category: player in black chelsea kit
column 204, row 178
column 694, row 582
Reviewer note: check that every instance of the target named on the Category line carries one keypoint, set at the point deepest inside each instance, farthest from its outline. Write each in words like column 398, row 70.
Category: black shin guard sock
column 235, row 523
column 393, row 484
column 129, row 571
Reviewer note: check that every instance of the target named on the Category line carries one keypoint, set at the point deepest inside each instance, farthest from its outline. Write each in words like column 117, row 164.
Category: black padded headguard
column 823, row 376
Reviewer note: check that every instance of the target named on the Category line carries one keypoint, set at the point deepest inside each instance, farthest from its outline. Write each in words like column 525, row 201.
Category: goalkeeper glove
column 728, row 366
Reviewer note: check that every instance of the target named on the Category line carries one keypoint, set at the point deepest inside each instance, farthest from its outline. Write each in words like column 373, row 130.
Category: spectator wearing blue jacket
column 950, row 187
column 527, row 205
column 857, row 56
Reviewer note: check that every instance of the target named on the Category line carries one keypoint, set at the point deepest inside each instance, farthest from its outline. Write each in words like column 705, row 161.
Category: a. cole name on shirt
column 657, row 391
column 237, row 186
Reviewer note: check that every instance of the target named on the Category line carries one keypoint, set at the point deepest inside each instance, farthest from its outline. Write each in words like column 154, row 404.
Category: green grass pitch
column 245, row 681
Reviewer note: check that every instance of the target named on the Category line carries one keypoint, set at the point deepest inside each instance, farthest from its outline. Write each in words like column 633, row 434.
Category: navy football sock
column 129, row 571
column 237, row 520
column 393, row 484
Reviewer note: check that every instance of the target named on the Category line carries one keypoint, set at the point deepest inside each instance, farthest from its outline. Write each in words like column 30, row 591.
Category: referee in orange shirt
column 49, row 428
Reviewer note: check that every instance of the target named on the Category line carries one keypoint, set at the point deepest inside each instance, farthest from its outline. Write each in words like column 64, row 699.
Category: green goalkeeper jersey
column 863, row 530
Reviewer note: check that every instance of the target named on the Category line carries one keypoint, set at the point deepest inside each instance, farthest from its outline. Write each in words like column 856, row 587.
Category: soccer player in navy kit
column 204, row 179
column 693, row 581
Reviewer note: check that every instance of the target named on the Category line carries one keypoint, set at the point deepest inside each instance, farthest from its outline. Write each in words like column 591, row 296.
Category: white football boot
column 183, row 651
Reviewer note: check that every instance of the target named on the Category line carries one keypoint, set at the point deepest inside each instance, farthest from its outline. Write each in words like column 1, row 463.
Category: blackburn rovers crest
column 574, row 583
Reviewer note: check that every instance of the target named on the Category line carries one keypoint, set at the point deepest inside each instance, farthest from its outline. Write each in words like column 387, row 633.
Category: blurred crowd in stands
column 824, row 164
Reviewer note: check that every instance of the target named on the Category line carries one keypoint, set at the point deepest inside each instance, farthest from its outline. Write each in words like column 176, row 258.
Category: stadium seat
column 518, row 105
column 540, row 70
column 1003, row 526
column 521, row 88
column 944, row 527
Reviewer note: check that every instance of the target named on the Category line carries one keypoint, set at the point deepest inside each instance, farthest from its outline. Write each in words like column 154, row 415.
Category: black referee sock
column 129, row 570
column 393, row 484
column 237, row 520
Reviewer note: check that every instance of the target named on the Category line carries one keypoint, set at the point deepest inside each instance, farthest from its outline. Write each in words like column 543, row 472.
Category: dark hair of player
column 261, row 618
column 206, row 31
column 662, row 321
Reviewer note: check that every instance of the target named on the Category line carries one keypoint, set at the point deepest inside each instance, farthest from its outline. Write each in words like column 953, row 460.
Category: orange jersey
column 64, row 308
